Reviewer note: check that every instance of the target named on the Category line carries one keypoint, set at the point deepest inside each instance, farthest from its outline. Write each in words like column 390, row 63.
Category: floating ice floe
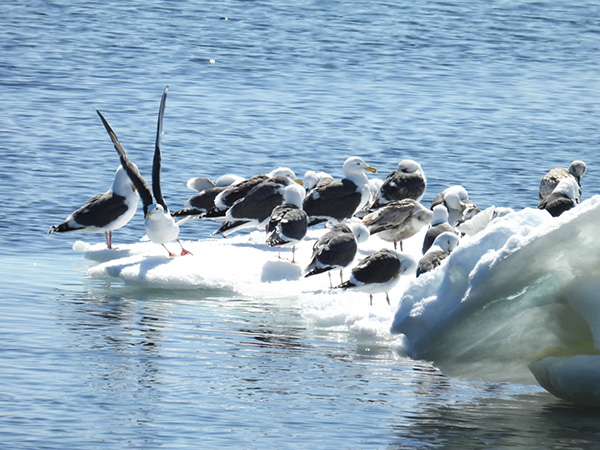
column 515, row 302
column 519, row 302
column 243, row 265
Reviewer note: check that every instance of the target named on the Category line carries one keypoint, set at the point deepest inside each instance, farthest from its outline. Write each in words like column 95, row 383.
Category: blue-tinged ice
column 511, row 300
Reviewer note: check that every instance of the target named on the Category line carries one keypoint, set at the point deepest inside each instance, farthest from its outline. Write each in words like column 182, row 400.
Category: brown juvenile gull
column 398, row 220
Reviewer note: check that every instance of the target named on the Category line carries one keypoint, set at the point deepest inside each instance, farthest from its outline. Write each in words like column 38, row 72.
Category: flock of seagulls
column 352, row 209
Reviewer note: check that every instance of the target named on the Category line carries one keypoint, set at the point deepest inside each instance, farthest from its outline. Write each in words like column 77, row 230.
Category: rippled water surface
column 486, row 94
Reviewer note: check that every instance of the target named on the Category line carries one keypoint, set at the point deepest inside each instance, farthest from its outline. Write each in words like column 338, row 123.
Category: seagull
column 336, row 249
column 407, row 181
column 105, row 212
column 564, row 197
column 379, row 272
column 204, row 201
column 440, row 250
column 203, row 183
column 439, row 225
column 199, row 204
column 312, row 179
column 237, row 191
column 551, row 179
column 200, row 184
column 398, row 220
column 337, row 200
column 456, row 200
column 160, row 226
column 288, row 223
column 255, row 208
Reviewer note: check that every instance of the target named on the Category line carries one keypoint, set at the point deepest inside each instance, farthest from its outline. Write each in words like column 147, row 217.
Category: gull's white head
column 359, row 230
column 354, row 165
column 155, row 210
column 409, row 166
column 455, row 196
column 440, row 214
column 283, row 172
column 577, row 169
column 447, row 241
column 294, row 194
column 122, row 184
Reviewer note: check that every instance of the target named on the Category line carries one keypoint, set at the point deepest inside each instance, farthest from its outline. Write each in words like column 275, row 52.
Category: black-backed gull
column 379, row 272
column 336, row 249
column 105, row 212
column 235, row 192
column 255, row 208
column 407, row 181
column 340, row 199
column 288, row 222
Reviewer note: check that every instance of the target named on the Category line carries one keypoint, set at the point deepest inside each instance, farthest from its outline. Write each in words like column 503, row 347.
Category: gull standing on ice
column 336, row 249
column 288, row 223
column 337, row 200
column 105, row 212
column 407, row 181
column 237, row 191
column 255, row 208
column 379, row 272
column 398, row 220
column 160, row 226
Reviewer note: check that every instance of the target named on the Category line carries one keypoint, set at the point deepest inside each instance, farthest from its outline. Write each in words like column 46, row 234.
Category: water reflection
column 117, row 344
column 268, row 338
column 450, row 413
column 148, row 363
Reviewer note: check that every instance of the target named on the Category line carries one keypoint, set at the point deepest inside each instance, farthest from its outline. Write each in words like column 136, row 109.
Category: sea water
column 489, row 95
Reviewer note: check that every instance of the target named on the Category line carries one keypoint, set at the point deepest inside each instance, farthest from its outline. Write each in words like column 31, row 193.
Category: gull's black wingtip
column 131, row 169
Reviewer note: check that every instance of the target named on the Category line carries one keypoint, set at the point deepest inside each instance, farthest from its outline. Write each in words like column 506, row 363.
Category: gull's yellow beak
column 300, row 182
column 148, row 214
column 371, row 169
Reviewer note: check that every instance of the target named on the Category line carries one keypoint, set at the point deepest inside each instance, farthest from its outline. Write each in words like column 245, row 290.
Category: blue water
column 484, row 94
